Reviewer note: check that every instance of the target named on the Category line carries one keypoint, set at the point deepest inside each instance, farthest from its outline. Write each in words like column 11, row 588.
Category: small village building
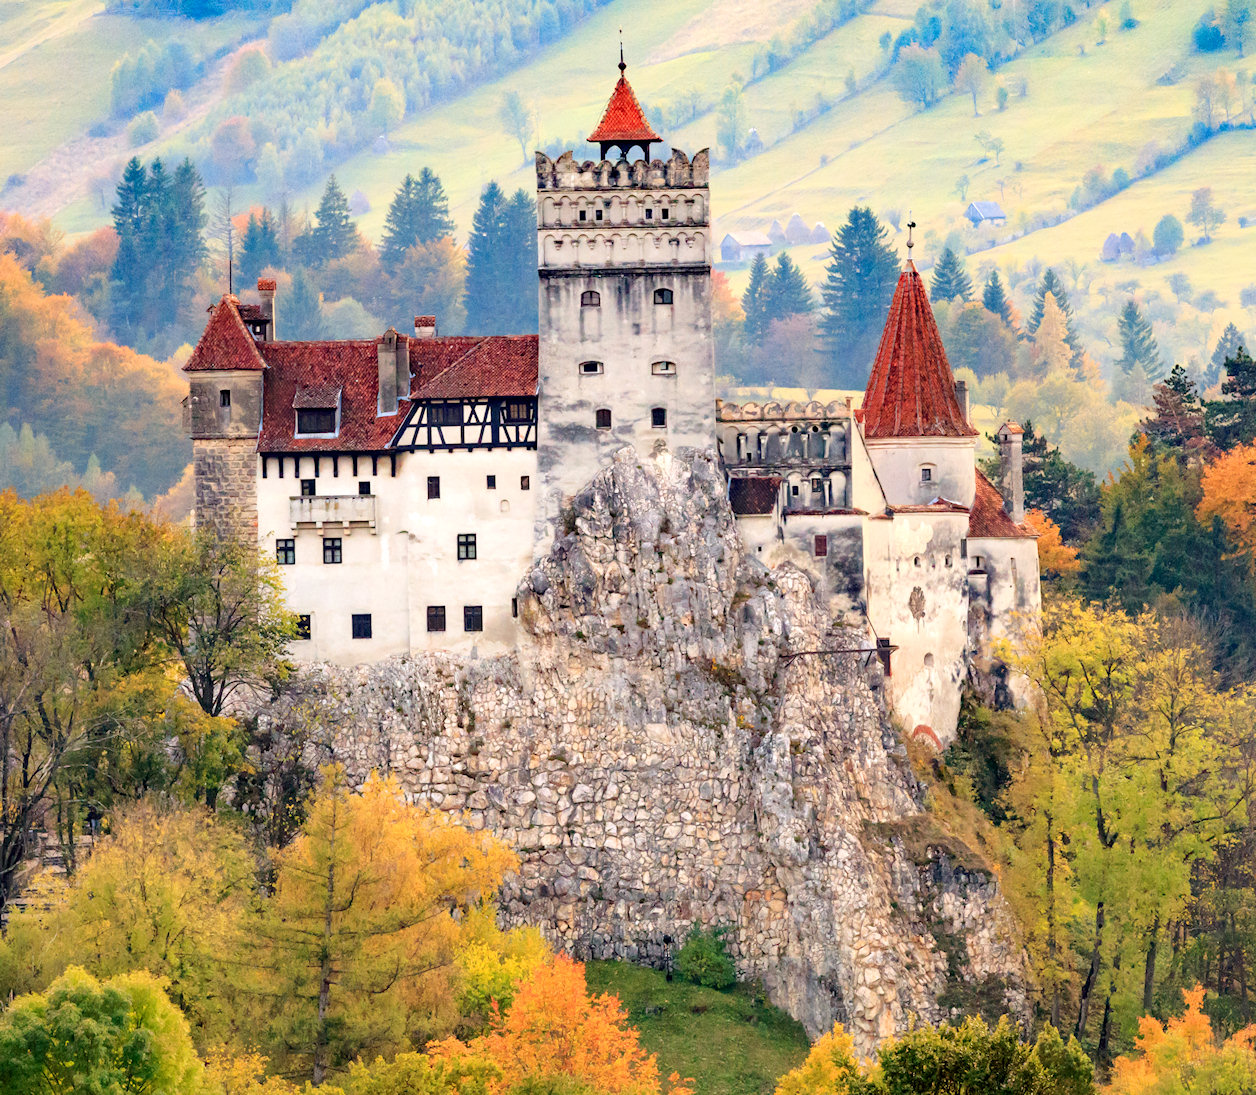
column 737, row 247
column 980, row 213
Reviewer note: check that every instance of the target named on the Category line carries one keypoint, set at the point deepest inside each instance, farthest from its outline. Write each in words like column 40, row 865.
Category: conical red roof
column 624, row 121
column 911, row 392
column 226, row 343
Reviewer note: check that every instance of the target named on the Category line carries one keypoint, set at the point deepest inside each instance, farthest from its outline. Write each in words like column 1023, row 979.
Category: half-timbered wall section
column 469, row 424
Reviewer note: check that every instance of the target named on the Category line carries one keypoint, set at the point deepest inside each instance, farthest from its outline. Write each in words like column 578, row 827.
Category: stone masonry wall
column 660, row 758
column 225, row 474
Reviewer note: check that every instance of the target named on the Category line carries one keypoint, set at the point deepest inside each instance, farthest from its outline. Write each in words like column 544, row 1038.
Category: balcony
column 347, row 511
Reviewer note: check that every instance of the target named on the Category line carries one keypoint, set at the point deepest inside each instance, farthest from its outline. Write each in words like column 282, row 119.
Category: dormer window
column 590, row 299
column 662, row 296
column 318, row 411
column 590, row 368
column 316, row 421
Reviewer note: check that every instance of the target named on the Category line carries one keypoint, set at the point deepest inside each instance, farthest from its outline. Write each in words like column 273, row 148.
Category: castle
column 405, row 484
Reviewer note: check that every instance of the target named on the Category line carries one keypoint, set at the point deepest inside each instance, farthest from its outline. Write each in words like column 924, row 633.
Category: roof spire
column 622, row 67
column 910, row 242
column 623, row 125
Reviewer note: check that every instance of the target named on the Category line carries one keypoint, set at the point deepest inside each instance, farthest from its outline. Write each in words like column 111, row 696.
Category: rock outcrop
column 686, row 740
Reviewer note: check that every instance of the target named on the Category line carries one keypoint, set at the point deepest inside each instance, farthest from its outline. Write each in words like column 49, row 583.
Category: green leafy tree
column 754, row 301
column 419, row 214
column 994, row 298
column 388, row 106
column 1231, row 420
column 730, row 116
column 84, row 1036
column 1204, row 213
column 860, row 277
column 1168, row 236
column 518, row 119
column 1138, row 343
column 950, row 279
column 975, row 339
column 430, row 281
column 1238, row 23
column 972, row 76
column 919, row 77
column 704, row 960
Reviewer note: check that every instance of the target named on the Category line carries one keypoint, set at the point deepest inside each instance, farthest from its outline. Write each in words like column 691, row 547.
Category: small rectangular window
column 490, row 482
column 473, row 618
column 926, row 475
column 303, row 627
column 445, row 414
column 331, row 549
column 817, row 486
column 665, row 214
column 436, row 617
column 363, row 487
column 663, row 368
column 466, row 545
column 307, row 488
column 658, row 417
column 317, row 420
column 662, row 296
column 822, row 546
column 597, row 214
column 584, row 216
column 977, row 563
column 285, row 552
column 514, row 607
column 649, row 214
column 793, row 490
column 518, row 411
column 361, row 625
column 603, row 419
column 525, row 482
column 224, row 397
column 590, row 368
column 433, row 486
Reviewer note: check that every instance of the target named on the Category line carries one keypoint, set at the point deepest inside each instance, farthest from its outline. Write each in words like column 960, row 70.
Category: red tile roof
column 497, row 366
column 624, row 119
column 226, row 343
column 938, row 505
column 754, row 495
column 911, row 392
column 988, row 520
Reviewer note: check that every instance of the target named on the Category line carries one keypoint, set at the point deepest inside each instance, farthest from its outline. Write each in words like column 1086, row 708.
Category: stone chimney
column 961, row 397
column 266, row 290
column 1011, row 470
column 394, row 370
column 424, row 326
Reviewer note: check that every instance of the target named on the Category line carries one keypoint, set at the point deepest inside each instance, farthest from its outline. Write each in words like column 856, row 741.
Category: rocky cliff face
column 669, row 749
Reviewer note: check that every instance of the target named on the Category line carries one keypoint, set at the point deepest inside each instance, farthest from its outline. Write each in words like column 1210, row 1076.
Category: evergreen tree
column 334, row 233
column 1138, row 343
column 754, row 301
column 501, row 264
column 950, row 279
column 1228, row 346
column 1178, row 424
column 1051, row 284
column 259, row 247
column 303, row 309
column 995, row 298
column 520, row 264
column 861, row 275
column 1232, row 421
column 419, row 213
column 128, row 276
column 788, row 293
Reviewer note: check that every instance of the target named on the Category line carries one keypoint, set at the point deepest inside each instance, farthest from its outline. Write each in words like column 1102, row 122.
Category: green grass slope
column 731, row 1043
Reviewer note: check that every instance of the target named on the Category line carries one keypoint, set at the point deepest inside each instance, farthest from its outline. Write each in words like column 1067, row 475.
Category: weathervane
column 622, row 67
column 910, row 242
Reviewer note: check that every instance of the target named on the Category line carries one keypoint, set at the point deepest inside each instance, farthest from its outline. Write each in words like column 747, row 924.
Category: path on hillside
column 63, row 24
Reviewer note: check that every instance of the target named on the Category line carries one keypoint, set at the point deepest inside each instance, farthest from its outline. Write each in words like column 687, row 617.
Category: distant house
column 986, row 213
column 743, row 246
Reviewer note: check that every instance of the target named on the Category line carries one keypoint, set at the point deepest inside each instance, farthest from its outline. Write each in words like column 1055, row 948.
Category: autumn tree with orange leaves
column 1055, row 557
column 554, row 1030
column 1229, row 487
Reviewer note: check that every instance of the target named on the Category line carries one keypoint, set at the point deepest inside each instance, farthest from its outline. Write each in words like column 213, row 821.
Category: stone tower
column 625, row 353
column 223, row 415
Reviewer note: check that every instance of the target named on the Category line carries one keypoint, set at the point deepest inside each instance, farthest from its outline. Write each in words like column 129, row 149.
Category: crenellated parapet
column 676, row 172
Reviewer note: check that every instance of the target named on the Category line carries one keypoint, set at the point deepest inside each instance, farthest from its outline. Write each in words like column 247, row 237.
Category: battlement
column 813, row 411
column 677, row 172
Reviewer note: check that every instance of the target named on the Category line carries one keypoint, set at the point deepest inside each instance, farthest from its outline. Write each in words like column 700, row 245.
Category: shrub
column 143, row 129
column 704, row 960
column 1207, row 34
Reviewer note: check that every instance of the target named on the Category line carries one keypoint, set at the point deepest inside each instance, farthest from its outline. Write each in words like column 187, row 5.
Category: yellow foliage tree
column 358, row 944
column 832, row 1067
column 1229, row 487
column 1054, row 555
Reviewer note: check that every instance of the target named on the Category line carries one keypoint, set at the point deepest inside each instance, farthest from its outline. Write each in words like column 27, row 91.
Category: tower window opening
column 303, row 627
column 361, row 624
column 664, row 214
column 590, row 368
column 597, row 214
column 436, row 617
column 584, row 215
column 590, row 298
column 663, row 368
column 603, row 419
column 662, row 296
column 307, row 488
column 649, row 214
column 926, row 474
column 224, row 397
column 821, row 547
column 658, row 417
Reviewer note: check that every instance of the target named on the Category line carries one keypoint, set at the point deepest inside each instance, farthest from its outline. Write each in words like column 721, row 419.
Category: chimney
column 1011, row 470
column 424, row 326
column 387, row 351
column 266, row 290
column 961, row 397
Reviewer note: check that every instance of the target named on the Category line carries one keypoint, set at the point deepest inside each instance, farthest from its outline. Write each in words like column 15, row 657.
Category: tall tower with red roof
column 625, row 357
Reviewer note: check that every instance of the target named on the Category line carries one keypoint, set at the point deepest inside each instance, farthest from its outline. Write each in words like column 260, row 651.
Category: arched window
column 590, row 298
column 590, row 368
column 603, row 419
column 662, row 296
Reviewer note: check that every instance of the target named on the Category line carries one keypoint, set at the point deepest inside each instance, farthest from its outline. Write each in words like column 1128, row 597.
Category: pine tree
column 519, row 264
column 950, row 279
column 861, row 275
column 1228, row 345
column 334, row 234
column 129, row 273
column 788, row 293
column 754, row 301
column 419, row 213
column 1232, row 421
column 1138, row 343
column 995, row 299
column 1178, row 424
column 485, row 260
column 303, row 309
column 259, row 247
column 1051, row 284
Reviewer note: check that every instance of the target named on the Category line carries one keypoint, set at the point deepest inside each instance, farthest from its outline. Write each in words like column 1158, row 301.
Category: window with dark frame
column 307, row 488
column 590, row 368
column 285, row 552
column 926, row 475
column 603, row 419
column 433, row 486
column 490, row 482
column 663, row 368
column 331, row 549
column 361, row 625
column 224, row 397
column 517, row 410
column 466, row 545
column 525, row 482
column 584, row 215
column 436, row 617
column 445, row 414
column 665, row 214
column 658, row 417
column 316, row 420
column 649, row 214
column 590, row 298
column 364, row 487
column 303, row 627
column 662, row 296
column 817, row 486
column 473, row 618
column 822, row 546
